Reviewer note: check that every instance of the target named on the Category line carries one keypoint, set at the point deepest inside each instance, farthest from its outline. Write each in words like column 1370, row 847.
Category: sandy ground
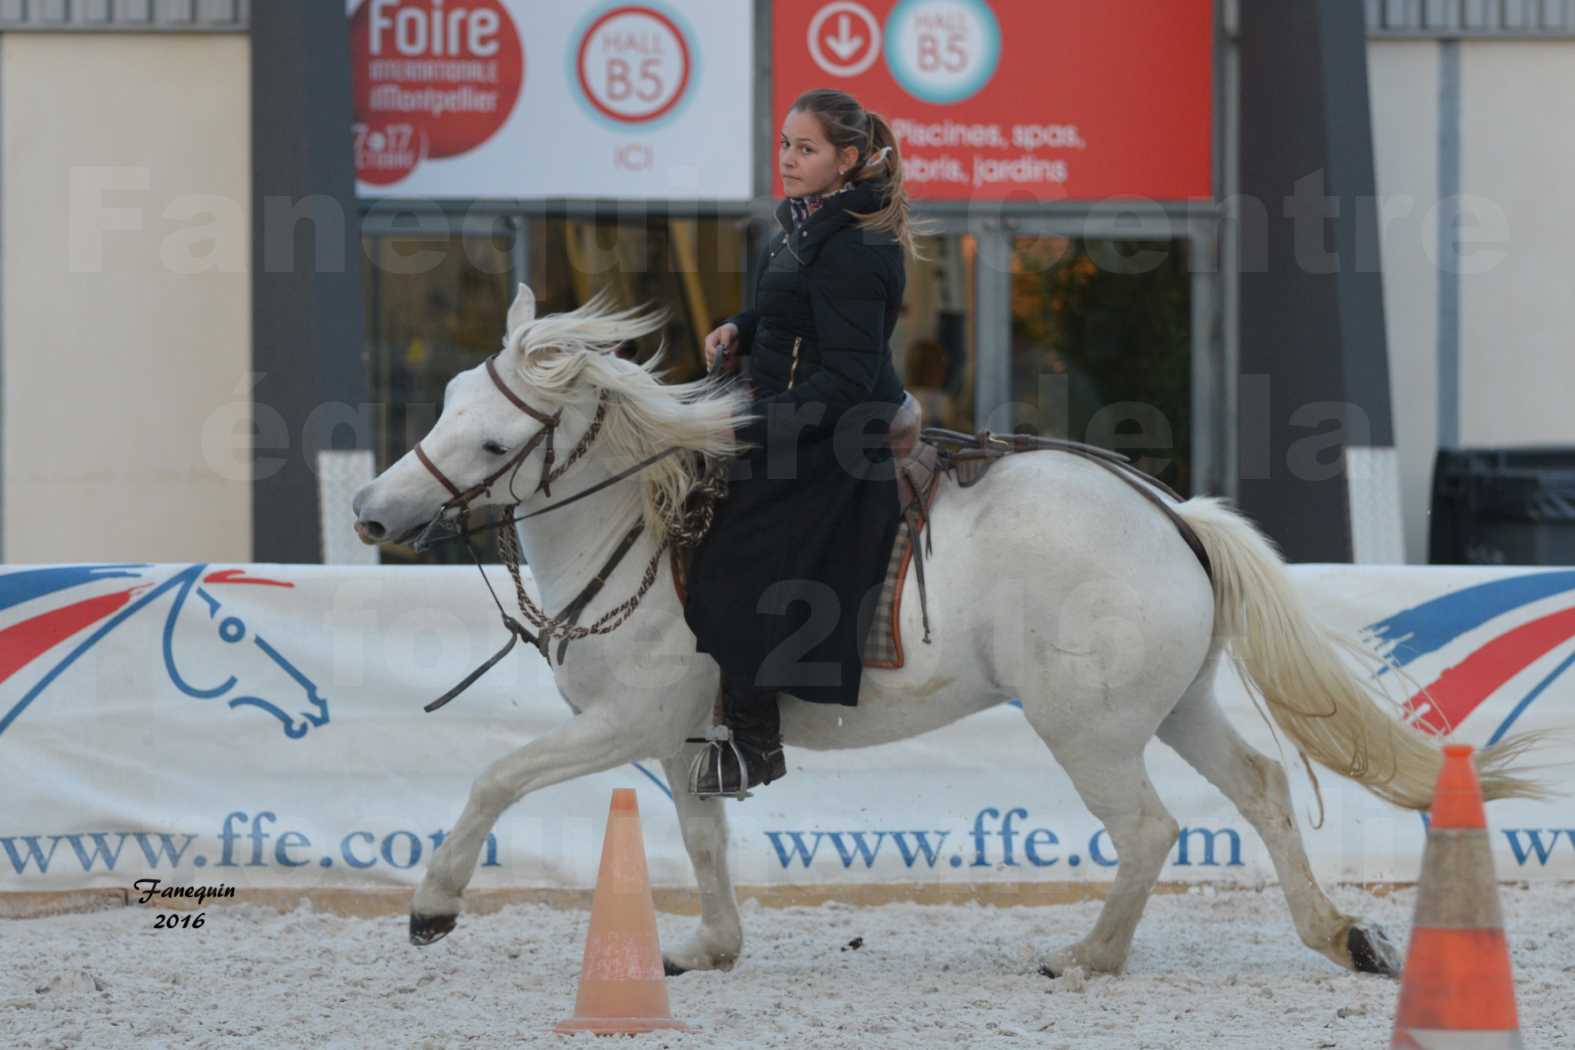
column 1207, row 970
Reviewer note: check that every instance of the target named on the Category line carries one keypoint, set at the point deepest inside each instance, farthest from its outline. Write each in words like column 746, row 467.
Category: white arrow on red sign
column 846, row 43
column 852, row 52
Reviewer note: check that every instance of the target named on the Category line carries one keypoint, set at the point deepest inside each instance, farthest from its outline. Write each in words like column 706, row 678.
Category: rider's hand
column 723, row 341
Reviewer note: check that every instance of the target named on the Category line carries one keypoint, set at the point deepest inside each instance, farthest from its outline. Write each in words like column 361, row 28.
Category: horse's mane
column 565, row 359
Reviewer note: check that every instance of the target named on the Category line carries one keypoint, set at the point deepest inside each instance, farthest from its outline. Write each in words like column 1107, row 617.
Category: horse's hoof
column 426, row 929
column 1371, row 951
column 671, row 968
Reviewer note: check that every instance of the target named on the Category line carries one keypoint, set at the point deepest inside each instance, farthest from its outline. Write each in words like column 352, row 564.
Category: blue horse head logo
column 41, row 632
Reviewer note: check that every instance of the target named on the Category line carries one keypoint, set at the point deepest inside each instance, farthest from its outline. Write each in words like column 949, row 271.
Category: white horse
column 1100, row 619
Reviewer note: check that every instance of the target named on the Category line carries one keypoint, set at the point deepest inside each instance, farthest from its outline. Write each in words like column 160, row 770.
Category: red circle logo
column 433, row 78
column 633, row 64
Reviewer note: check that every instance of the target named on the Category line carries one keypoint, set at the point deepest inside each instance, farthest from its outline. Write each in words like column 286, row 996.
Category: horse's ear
column 523, row 309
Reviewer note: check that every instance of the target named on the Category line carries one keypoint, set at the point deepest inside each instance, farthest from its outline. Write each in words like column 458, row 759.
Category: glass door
column 1104, row 332
column 693, row 266
column 1101, row 347
column 935, row 344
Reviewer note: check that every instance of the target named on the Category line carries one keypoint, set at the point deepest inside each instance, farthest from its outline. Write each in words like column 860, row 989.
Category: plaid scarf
column 807, row 205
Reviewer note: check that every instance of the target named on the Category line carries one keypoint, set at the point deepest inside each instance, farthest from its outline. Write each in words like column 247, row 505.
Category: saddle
column 922, row 456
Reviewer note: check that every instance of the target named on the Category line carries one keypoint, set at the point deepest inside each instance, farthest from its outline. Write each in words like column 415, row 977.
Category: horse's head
column 500, row 422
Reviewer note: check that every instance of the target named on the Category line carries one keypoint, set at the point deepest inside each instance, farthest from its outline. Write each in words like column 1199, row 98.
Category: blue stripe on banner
column 1520, row 708
column 1428, row 627
column 23, row 586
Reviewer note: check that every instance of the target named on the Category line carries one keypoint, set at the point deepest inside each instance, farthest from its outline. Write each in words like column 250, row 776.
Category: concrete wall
column 1517, row 374
column 125, row 309
column 1404, row 79
column 1516, row 235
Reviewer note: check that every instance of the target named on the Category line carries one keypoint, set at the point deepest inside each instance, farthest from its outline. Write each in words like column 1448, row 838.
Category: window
column 934, row 346
column 435, row 307
column 1101, row 347
column 692, row 266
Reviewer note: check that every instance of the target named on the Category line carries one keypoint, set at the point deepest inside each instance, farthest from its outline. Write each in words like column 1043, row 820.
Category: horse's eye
column 494, row 448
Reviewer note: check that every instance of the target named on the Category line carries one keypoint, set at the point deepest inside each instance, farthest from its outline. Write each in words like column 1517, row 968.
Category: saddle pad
column 883, row 643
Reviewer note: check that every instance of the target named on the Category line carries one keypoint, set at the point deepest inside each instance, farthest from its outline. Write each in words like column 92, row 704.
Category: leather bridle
column 461, row 498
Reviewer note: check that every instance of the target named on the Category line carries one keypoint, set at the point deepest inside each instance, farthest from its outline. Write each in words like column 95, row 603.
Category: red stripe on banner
column 1461, row 689
column 22, row 642
column 239, row 576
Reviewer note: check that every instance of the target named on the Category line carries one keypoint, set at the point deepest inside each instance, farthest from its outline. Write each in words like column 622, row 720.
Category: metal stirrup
column 714, row 738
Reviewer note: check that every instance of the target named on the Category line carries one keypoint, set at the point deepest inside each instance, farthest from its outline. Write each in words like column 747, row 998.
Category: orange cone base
column 1458, row 980
column 618, row 1025
column 1420, row 1039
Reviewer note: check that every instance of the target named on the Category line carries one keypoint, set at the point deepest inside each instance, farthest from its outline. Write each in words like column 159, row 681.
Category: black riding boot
column 753, row 721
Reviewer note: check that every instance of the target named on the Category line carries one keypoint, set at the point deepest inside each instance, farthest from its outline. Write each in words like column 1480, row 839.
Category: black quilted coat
column 783, row 588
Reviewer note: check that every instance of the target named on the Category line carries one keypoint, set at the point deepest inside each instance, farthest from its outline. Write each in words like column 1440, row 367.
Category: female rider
column 782, row 590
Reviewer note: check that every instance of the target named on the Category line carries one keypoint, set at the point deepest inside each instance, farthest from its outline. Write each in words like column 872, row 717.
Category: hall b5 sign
column 525, row 98
column 633, row 64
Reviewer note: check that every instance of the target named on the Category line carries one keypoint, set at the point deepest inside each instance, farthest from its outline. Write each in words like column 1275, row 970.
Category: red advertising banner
column 430, row 82
column 1019, row 99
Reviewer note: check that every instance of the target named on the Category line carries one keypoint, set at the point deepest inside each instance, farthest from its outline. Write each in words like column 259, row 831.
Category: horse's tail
column 1326, row 709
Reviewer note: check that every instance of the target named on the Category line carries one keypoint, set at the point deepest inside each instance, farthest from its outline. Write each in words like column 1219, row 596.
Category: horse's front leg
column 716, row 945
column 589, row 743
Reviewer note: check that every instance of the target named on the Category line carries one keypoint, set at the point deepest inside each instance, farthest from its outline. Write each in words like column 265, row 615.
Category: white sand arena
column 1206, row 971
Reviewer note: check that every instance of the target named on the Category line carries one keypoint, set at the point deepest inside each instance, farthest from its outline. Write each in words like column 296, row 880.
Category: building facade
column 214, row 320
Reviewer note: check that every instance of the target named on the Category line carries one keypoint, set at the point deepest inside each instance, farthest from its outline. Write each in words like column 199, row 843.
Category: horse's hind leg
column 1101, row 748
column 1256, row 785
column 1116, row 790
column 716, row 945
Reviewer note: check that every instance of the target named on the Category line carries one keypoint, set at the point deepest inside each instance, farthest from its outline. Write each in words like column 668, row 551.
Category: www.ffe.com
column 245, row 840
column 996, row 840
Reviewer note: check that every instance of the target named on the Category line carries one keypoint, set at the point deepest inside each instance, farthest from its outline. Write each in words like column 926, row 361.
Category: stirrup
column 716, row 737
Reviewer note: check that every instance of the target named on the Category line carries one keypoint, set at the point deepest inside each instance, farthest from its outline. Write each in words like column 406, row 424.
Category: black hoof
column 425, row 929
column 1371, row 951
column 671, row 968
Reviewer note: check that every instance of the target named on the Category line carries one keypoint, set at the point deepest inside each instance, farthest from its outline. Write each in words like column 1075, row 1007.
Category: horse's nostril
column 373, row 529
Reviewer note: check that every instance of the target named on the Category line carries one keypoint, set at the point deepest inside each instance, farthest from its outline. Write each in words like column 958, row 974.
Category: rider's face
column 805, row 157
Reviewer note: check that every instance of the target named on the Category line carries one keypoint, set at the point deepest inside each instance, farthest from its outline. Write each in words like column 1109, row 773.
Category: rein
column 565, row 625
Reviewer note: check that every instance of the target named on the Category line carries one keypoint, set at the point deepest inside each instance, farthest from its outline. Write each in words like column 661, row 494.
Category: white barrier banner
column 261, row 726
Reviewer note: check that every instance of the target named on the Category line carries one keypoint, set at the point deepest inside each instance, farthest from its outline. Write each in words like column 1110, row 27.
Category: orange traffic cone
column 623, row 990
column 1457, row 992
